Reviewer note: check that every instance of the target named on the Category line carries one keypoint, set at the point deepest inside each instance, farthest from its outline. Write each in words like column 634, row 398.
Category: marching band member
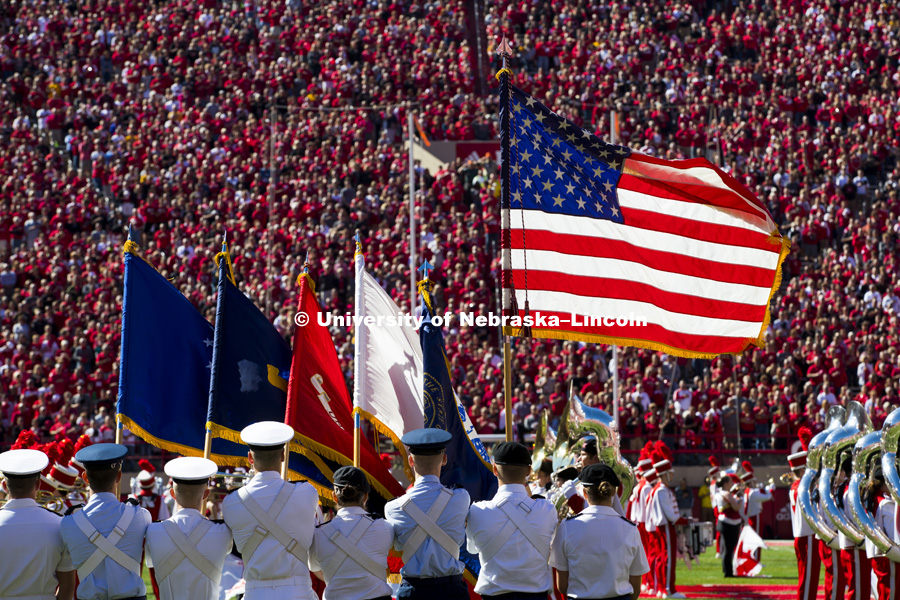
column 856, row 565
column 146, row 493
column 272, row 520
column 663, row 513
column 637, row 503
column 544, row 479
column 805, row 547
column 729, row 506
column 350, row 551
column 648, row 530
column 835, row 582
column 566, row 478
column 586, row 568
column 754, row 497
column 712, row 477
column 188, row 550
column 880, row 503
column 511, row 533
column 429, row 523
column 33, row 558
column 106, row 537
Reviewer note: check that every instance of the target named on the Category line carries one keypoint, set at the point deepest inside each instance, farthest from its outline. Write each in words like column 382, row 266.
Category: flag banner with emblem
column 318, row 404
column 388, row 364
column 746, row 555
column 468, row 463
column 249, row 375
column 603, row 244
column 164, row 366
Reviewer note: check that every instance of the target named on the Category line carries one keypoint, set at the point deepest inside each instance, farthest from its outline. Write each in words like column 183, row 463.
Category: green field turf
column 780, row 569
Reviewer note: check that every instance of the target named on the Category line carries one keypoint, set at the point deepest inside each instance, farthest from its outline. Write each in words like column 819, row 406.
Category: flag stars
column 599, row 171
column 558, row 200
column 567, row 155
column 517, row 197
column 614, row 165
column 527, row 183
column 516, row 168
column 559, row 173
column 539, row 117
column 208, row 343
column 547, row 186
column 547, row 159
column 536, row 170
column 526, row 155
column 615, row 211
column 527, row 122
column 581, row 203
column 570, row 189
column 530, row 102
column 608, row 186
column 598, row 206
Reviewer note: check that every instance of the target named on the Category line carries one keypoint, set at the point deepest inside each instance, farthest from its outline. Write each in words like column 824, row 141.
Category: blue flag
column 164, row 366
column 250, row 365
column 468, row 463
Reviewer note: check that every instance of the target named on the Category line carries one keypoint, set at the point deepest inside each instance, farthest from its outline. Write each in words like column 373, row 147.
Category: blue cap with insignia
column 23, row 463
column 426, row 441
column 101, row 457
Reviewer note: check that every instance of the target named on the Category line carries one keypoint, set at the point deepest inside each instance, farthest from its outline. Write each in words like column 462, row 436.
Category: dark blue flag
column 165, row 365
column 250, row 365
column 468, row 463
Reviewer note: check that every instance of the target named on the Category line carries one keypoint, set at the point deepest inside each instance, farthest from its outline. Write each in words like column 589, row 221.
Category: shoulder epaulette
column 627, row 520
column 72, row 509
column 374, row 516
column 455, row 486
column 133, row 501
column 52, row 512
column 538, row 497
column 217, row 521
column 325, row 523
column 574, row 516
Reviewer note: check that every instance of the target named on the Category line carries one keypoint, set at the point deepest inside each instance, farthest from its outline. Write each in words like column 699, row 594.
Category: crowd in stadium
column 156, row 115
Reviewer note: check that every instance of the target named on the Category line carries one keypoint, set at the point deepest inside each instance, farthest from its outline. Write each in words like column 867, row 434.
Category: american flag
column 596, row 234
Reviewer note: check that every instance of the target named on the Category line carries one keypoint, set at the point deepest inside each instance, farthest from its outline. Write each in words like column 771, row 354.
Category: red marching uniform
column 806, row 550
column 663, row 515
column 887, row 572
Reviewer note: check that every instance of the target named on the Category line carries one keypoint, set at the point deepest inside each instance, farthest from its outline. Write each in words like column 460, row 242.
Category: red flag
column 318, row 404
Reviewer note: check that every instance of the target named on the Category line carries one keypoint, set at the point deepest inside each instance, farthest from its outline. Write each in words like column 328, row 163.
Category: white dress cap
column 23, row 462
column 267, row 433
column 191, row 468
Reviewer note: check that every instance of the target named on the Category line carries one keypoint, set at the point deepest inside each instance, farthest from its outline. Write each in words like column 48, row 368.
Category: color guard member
column 350, row 551
column 598, row 553
column 34, row 561
column 188, row 550
column 272, row 520
column 106, row 537
column 512, row 532
column 429, row 523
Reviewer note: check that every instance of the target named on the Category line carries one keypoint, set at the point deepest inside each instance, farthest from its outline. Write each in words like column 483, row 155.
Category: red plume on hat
column 26, row 440
column 83, row 442
column 713, row 461
column 146, row 465
column 747, row 466
column 52, row 452
column 66, row 451
column 805, row 434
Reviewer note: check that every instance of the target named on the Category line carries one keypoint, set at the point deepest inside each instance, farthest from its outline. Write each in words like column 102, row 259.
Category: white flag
column 746, row 555
column 387, row 370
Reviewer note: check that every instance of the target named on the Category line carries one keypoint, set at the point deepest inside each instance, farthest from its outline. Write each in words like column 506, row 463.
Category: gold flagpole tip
column 504, row 49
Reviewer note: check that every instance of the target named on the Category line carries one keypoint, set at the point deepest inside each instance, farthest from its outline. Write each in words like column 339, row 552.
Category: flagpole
column 505, row 50
column 358, row 345
column 615, row 374
column 615, row 349
column 412, row 213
